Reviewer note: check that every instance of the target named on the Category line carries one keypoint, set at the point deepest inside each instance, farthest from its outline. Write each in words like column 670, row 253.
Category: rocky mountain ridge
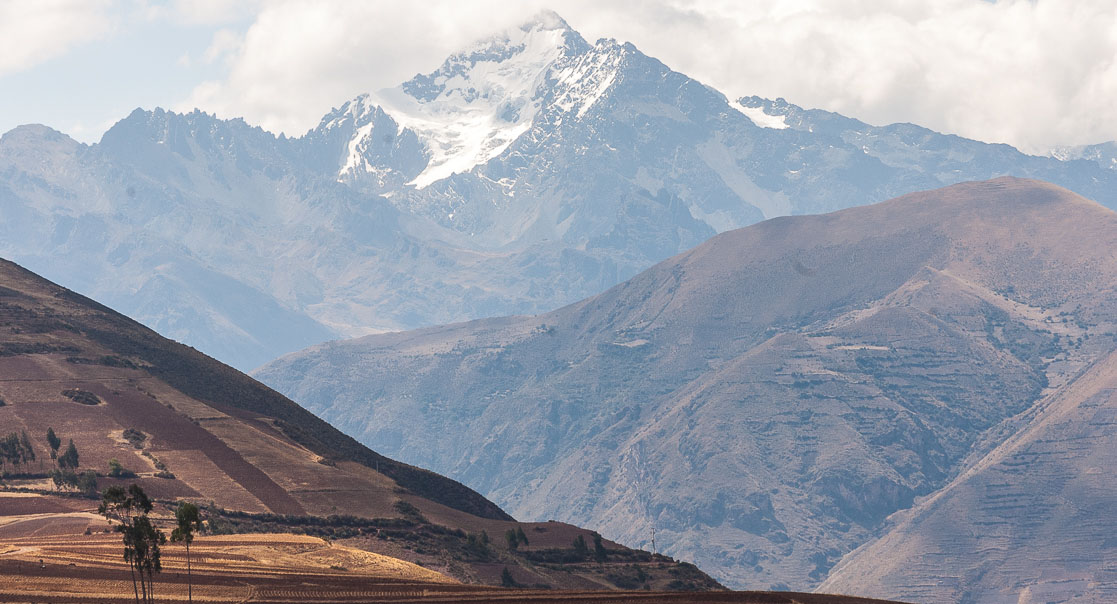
column 767, row 400
column 527, row 172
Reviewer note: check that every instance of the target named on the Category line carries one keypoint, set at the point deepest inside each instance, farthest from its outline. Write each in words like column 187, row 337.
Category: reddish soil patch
column 45, row 527
column 175, row 431
column 35, row 384
column 102, row 585
column 156, row 488
column 22, row 506
column 105, row 585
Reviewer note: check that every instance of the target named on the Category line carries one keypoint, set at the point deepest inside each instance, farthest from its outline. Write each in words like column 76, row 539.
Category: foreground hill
column 52, row 550
column 192, row 428
column 766, row 400
column 530, row 170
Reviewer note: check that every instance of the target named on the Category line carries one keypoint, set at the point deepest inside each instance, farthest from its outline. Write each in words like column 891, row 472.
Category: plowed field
column 50, row 558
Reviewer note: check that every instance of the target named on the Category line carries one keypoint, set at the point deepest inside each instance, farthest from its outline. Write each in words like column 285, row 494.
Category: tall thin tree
column 148, row 539
column 141, row 539
column 117, row 505
column 54, row 442
column 69, row 459
column 26, row 451
column 189, row 522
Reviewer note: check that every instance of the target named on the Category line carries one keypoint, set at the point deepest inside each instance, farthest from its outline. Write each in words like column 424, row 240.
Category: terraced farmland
column 69, row 554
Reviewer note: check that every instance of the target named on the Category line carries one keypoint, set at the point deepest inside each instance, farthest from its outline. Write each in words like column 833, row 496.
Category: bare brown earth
column 212, row 435
column 71, row 557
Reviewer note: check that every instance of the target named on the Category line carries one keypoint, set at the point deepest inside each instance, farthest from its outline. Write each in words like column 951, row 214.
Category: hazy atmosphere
column 522, row 301
column 1001, row 71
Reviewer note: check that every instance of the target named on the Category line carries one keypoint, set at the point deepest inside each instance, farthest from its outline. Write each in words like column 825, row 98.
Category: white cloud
column 34, row 32
column 300, row 57
column 1031, row 73
column 225, row 42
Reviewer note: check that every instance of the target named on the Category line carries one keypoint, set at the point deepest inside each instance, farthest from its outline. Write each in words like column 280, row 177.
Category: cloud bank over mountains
column 1032, row 74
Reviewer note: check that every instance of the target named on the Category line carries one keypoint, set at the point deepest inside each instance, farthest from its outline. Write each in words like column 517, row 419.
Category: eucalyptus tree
column 129, row 509
column 54, row 442
column 189, row 522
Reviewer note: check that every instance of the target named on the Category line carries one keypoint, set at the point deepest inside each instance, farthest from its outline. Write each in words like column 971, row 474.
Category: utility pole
column 653, row 541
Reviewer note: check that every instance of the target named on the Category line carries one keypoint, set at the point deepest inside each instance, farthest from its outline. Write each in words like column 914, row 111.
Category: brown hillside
column 52, row 340
column 67, row 556
column 766, row 400
column 1031, row 521
column 192, row 428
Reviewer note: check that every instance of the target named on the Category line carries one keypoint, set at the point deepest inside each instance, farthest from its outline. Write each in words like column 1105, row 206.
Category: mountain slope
column 1032, row 521
column 529, row 171
column 56, row 341
column 189, row 427
column 763, row 401
column 145, row 220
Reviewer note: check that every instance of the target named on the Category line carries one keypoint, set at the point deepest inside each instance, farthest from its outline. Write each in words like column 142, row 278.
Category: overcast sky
column 1032, row 73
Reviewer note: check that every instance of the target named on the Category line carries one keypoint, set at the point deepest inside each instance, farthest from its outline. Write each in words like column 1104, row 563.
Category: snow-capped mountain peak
column 479, row 101
column 521, row 51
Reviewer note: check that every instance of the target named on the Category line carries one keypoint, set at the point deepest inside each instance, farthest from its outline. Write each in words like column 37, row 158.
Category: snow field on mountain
column 488, row 99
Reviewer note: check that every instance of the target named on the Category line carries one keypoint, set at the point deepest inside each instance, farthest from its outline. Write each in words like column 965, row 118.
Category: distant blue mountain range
column 529, row 171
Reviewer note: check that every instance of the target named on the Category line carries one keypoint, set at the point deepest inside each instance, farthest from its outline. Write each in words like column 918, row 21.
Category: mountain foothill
column 139, row 409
